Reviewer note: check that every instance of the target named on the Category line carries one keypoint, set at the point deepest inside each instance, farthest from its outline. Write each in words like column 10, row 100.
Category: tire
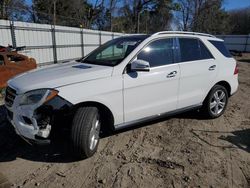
column 85, row 132
column 216, row 102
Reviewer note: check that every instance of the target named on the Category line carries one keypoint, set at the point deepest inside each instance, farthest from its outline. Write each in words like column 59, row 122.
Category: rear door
column 154, row 92
column 198, row 70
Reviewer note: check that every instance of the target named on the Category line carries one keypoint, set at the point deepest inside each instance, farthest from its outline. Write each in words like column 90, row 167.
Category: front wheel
column 85, row 131
column 216, row 102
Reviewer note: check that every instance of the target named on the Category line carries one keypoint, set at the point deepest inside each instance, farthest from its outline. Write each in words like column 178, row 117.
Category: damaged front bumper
column 26, row 124
column 34, row 122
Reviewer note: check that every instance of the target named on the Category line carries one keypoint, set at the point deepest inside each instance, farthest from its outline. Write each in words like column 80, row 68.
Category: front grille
column 10, row 96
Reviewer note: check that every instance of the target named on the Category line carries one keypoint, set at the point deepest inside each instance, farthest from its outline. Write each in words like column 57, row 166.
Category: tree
column 68, row 12
column 158, row 18
column 143, row 16
column 185, row 16
column 240, row 21
column 13, row 9
column 203, row 16
column 209, row 17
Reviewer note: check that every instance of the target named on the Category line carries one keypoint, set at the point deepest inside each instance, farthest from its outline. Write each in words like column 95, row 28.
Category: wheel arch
column 226, row 85
column 222, row 83
column 106, row 114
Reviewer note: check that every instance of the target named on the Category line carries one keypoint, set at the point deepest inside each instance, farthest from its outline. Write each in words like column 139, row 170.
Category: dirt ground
column 180, row 151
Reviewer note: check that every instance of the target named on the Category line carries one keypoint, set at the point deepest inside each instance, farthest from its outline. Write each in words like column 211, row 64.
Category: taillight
column 236, row 70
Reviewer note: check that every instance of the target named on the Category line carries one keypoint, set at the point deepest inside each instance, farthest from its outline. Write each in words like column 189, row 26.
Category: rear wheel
column 216, row 102
column 85, row 131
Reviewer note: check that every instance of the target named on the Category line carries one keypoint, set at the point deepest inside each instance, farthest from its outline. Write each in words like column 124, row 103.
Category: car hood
column 59, row 75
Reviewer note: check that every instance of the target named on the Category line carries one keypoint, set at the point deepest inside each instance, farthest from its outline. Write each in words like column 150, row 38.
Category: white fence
column 237, row 42
column 49, row 44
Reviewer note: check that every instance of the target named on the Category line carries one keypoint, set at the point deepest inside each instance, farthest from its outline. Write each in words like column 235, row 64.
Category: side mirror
column 140, row 65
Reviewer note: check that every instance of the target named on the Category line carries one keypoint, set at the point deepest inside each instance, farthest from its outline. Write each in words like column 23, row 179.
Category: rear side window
column 221, row 47
column 193, row 49
column 158, row 53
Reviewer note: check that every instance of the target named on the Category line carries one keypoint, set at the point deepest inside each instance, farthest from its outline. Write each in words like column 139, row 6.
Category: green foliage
column 68, row 12
column 240, row 21
column 149, row 16
column 211, row 19
column 203, row 16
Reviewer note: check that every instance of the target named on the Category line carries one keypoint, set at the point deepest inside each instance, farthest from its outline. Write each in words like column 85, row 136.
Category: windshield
column 113, row 52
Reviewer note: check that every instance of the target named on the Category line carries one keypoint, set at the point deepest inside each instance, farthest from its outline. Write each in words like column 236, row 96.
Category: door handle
column 212, row 68
column 172, row 74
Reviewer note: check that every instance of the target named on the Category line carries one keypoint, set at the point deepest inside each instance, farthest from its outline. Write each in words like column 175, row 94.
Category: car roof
column 173, row 33
column 183, row 33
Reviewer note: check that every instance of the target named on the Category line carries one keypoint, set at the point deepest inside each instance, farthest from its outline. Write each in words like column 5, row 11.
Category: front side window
column 158, row 53
column 193, row 49
column 114, row 51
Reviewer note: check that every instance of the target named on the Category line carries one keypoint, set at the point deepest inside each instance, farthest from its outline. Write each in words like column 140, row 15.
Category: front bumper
column 30, row 132
column 34, row 122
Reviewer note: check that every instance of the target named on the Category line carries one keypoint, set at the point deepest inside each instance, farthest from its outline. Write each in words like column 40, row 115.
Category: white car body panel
column 150, row 93
column 195, row 80
column 108, row 93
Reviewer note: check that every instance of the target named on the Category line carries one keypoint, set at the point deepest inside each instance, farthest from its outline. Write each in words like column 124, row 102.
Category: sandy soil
column 180, row 151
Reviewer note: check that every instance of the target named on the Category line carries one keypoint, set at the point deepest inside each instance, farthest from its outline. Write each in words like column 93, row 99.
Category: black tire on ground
column 84, row 120
column 206, row 109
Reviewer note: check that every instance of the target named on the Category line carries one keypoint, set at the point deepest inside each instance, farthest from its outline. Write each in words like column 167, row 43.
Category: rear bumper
column 234, row 83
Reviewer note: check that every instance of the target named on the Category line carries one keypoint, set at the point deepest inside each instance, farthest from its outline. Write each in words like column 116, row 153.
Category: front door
column 154, row 92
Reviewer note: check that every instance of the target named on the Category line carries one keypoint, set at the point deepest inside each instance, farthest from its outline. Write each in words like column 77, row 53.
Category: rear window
column 221, row 47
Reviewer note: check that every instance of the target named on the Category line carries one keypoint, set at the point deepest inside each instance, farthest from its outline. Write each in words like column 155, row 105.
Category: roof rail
column 183, row 32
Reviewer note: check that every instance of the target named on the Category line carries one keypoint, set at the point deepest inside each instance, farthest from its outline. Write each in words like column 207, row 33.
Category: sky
column 236, row 4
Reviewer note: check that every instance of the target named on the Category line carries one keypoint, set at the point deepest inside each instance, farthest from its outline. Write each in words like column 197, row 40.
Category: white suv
column 125, row 81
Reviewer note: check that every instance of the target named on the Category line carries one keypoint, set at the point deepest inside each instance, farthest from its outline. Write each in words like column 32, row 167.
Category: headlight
column 37, row 96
